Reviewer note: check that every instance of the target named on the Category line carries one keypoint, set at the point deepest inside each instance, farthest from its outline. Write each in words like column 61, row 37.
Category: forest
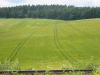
column 59, row 12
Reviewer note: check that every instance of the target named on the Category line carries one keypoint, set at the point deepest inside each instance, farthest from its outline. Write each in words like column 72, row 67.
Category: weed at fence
column 7, row 65
column 81, row 65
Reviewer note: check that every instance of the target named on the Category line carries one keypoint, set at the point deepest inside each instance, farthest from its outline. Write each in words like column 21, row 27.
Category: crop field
column 50, row 44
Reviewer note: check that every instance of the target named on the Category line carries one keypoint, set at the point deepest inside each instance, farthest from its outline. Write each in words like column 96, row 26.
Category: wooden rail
column 45, row 72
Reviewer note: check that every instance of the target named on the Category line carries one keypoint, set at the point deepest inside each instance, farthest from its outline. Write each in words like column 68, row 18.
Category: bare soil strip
column 14, row 23
column 1, row 23
column 15, row 51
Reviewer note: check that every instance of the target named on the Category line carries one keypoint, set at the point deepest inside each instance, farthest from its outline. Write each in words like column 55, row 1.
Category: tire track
column 15, row 51
column 56, row 43
column 59, row 47
column 20, row 45
column 82, row 32
column 70, row 44
column 88, row 49
column 16, row 47
column 91, row 51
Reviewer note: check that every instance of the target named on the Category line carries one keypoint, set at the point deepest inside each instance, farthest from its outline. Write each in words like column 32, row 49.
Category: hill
column 50, row 44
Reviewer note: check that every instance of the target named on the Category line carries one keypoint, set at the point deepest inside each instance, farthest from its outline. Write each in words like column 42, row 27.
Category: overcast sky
column 77, row 3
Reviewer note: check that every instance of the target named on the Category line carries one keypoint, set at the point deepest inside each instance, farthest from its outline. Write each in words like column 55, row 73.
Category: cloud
column 78, row 3
column 6, row 3
column 97, row 2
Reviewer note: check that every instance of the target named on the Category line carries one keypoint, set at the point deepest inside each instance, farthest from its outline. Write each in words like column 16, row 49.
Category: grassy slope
column 49, row 44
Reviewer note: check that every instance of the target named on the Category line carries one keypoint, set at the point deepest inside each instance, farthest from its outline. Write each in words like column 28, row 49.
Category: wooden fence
column 47, row 72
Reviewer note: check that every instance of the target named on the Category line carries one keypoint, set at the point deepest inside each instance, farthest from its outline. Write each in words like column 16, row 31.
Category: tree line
column 61, row 12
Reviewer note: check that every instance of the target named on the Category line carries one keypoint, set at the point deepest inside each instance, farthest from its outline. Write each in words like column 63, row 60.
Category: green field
column 50, row 44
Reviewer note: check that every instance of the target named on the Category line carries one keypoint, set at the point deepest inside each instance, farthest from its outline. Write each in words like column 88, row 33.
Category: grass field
column 50, row 44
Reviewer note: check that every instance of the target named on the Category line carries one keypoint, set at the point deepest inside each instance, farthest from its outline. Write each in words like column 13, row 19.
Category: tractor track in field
column 20, row 45
column 9, row 26
column 86, row 36
column 89, row 50
column 15, row 51
column 56, row 43
column 70, row 44
column 59, row 47
column 82, row 32
column 77, row 48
